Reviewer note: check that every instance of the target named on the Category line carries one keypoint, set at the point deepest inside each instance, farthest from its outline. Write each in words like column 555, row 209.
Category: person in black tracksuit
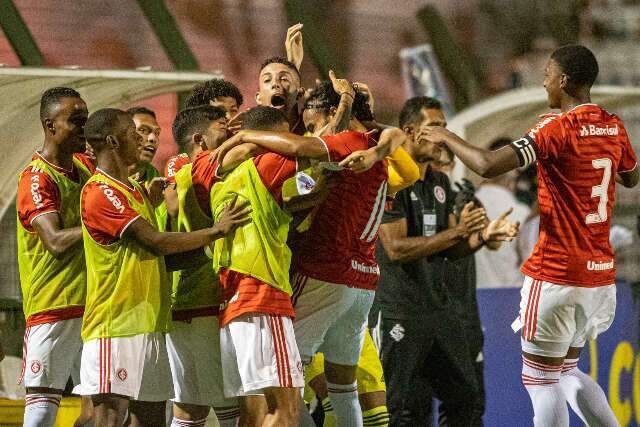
column 424, row 343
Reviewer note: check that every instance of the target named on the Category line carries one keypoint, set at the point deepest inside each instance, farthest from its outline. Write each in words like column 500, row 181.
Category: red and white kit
column 334, row 261
column 579, row 154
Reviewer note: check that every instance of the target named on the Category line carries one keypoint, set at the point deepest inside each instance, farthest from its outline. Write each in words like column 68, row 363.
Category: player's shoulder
column 546, row 122
column 99, row 194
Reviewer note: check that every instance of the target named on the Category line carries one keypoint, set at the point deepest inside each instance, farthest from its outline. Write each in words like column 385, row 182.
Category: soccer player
column 569, row 290
column 280, row 87
column 193, row 343
column 144, row 172
column 219, row 93
column 50, row 256
column 128, row 296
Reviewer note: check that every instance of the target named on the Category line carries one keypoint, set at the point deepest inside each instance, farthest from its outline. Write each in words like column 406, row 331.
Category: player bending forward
column 569, row 292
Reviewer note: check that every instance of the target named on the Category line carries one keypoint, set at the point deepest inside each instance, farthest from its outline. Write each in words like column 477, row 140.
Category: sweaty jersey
column 579, row 154
column 174, row 164
column 339, row 247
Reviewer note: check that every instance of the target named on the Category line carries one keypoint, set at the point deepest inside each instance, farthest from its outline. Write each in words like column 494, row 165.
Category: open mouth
column 278, row 101
column 150, row 150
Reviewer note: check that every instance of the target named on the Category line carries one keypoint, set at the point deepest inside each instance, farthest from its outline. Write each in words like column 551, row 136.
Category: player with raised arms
column 569, row 293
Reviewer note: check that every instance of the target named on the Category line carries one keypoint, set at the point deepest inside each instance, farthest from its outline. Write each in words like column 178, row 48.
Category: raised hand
column 235, row 123
column 156, row 190
column 360, row 161
column 233, row 216
column 341, row 86
column 435, row 134
column 501, row 229
column 472, row 219
column 293, row 44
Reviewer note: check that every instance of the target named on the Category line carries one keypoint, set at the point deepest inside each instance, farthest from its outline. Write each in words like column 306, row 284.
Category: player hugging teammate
column 269, row 259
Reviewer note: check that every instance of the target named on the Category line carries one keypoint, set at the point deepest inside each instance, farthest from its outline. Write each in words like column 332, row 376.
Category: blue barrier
column 614, row 360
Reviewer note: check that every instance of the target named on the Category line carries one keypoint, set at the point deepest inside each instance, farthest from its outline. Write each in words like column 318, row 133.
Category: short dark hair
column 279, row 60
column 322, row 97
column 412, row 110
column 102, row 123
column 204, row 92
column 192, row 120
column 52, row 96
column 139, row 109
column 577, row 62
column 499, row 142
column 263, row 118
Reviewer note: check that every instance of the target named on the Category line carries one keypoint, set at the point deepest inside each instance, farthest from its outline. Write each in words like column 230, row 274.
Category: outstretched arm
column 284, row 143
column 485, row 163
column 158, row 243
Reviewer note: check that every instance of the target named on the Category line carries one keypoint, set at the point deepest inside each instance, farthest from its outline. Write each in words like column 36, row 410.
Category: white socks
column 585, row 396
column 345, row 403
column 547, row 398
column 176, row 422
column 41, row 409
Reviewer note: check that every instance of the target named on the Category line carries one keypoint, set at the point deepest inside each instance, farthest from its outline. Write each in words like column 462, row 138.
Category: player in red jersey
column 569, row 291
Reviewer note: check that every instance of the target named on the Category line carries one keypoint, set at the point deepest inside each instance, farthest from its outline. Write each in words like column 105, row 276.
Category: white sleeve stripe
column 42, row 213
column 630, row 170
column 127, row 226
column 325, row 147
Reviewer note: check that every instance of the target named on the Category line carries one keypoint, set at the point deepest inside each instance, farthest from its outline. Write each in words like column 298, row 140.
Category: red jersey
column 174, row 164
column 578, row 153
column 246, row 294
column 110, row 213
column 339, row 247
column 37, row 193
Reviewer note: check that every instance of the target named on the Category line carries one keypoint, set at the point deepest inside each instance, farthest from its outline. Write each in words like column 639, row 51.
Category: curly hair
column 204, row 92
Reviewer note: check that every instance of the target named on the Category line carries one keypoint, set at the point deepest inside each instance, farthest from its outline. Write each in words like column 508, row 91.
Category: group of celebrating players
column 216, row 285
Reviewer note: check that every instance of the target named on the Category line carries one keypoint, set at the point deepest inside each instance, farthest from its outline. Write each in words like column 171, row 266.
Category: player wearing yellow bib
column 50, row 256
column 194, row 340
column 128, row 293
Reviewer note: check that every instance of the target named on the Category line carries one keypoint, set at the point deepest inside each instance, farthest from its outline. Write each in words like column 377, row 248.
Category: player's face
column 69, row 119
column 131, row 143
column 227, row 103
column 216, row 133
column 553, row 83
column 314, row 119
column 149, row 130
column 279, row 87
column 425, row 150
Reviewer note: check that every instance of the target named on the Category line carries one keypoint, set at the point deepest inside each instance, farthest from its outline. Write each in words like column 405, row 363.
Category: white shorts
column 556, row 317
column 196, row 368
column 136, row 367
column 51, row 353
column 330, row 318
column 259, row 351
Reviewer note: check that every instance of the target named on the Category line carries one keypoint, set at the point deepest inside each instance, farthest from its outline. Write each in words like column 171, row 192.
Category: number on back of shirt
column 600, row 191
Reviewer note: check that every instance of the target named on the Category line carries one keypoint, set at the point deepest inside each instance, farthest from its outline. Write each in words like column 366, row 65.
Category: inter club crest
column 36, row 366
column 440, row 194
column 122, row 374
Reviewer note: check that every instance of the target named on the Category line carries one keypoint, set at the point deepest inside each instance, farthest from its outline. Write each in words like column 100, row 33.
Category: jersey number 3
column 600, row 191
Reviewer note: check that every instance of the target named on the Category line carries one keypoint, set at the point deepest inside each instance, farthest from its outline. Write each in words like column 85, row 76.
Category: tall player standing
column 569, row 291
column 50, row 256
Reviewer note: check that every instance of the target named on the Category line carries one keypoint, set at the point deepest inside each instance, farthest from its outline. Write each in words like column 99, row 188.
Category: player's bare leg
column 109, row 410
column 86, row 412
column 583, row 394
column 374, row 408
column 282, row 406
column 41, row 406
column 187, row 412
column 253, row 409
column 541, row 378
column 147, row 414
column 343, row 393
